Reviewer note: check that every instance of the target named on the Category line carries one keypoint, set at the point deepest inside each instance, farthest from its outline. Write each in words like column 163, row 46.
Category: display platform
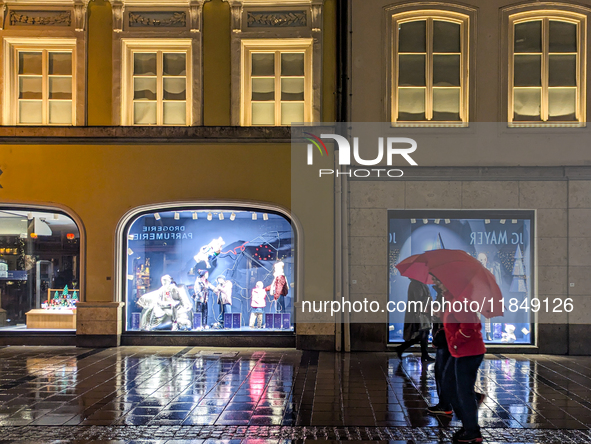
column 51, row 319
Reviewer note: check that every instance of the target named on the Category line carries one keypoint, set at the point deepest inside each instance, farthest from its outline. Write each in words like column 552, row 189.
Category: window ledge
column 430, row 124
column 143, row 135
column 547, row 124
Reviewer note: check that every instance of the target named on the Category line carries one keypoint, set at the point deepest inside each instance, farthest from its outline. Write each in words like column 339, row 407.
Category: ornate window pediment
column 50, row 14
column 276, row 16
column 145, row 15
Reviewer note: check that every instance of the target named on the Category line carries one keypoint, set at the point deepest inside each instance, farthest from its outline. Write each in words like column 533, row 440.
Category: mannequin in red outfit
column 279, row 287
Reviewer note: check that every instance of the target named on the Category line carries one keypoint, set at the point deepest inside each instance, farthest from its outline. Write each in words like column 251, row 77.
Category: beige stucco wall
column 488, row 85
column 563, row 240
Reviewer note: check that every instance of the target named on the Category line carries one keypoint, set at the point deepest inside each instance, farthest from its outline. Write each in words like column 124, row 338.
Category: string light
column 254, row 216
column 265, row 216
column 177, row 216
column 232, row 216
column 157, row 216
column 221, row 216
column 195, row 217
column 209, row 216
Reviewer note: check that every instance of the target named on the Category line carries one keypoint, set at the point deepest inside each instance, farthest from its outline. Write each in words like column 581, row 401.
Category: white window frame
column 131, row 46
column 545, row 16
column 430, row 15
column 276, row 46
column 11, row 48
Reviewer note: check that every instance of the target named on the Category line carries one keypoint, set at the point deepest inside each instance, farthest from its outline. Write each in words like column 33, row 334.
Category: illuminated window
column 207, row 268
column 156, row 80
column 40, row 269
column 547, row 68
column 43, row 82
column 276, row 82
column 430, row 68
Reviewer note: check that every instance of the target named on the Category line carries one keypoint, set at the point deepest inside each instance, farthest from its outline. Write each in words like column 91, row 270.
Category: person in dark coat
column 417, row 322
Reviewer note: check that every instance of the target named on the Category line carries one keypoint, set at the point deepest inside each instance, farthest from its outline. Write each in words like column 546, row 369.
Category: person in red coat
column 463, row 333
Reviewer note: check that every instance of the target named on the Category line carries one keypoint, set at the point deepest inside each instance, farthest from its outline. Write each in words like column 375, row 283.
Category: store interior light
column 254, row 216
column 265, row 216
column 209, row 216
column 221, row 216
column 413, row 221
column 195, row 217
column 157, row 216
column 177, row 216
column 447, row 221
column 437, row 221
column 514, row 221
column 503, row 221
column 425, row 221
column 232, row 216
column 487, row 221
column 40, row 227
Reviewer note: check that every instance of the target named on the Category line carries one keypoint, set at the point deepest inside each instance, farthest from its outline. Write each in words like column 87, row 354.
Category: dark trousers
column 442, row 355
column 225, row 308
column 201, row 307
column 422, row 338
column 461, row 373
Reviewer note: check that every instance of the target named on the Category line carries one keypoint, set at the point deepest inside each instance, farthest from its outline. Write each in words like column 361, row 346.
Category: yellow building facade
column 119, row 153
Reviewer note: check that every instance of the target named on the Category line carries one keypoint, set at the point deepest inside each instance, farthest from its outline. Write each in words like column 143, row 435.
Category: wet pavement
column 174, row 395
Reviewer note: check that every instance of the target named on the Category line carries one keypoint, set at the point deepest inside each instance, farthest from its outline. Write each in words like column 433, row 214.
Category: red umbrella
column 415, row 267
column 464, row 276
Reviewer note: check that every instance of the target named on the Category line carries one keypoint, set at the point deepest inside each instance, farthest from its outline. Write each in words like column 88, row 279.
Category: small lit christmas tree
column 519, row 283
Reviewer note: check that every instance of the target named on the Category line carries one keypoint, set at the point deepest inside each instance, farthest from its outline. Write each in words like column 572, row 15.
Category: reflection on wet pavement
column 150, row 388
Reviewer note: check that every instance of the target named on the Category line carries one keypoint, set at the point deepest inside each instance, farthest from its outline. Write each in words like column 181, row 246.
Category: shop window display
column 209, row 269
column 39, row 270
column 502, row 241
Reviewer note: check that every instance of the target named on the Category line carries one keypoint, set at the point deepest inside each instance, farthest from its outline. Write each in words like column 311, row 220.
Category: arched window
column 429, row 68
column 207, row 268
column 547, row 68
column 40, row 273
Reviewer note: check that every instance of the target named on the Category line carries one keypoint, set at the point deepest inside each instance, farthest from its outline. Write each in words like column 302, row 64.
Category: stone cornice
column 47, row 135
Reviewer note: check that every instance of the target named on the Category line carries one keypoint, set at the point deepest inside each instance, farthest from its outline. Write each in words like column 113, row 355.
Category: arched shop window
column 39, row 269
column 199, row 269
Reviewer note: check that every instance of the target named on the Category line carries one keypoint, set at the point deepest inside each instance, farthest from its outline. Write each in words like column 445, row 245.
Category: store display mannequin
column 258, row 303
column 168, row 304
column 509, row 333
column 202, row 287
column 224, row 293
column 279, row 287
column 210, row 251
